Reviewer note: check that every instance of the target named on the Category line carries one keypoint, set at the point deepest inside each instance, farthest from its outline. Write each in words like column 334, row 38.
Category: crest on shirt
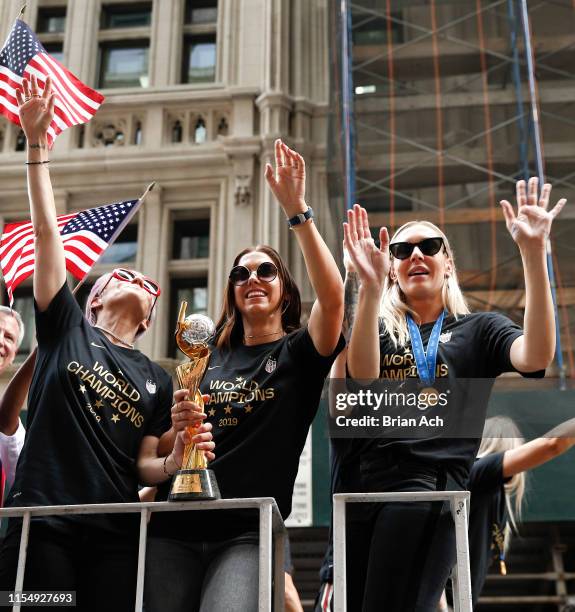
column 150, row 386
column 445, row 337
column 271, row 365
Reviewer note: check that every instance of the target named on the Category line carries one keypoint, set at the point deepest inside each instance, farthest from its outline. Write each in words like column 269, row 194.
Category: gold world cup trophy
column 193, row 480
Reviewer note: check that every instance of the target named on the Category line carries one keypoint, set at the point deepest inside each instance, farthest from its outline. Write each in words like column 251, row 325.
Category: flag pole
column 119, row 230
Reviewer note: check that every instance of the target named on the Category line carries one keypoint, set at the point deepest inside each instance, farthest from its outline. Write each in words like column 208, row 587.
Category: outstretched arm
column 530, row 230
column 14, row 396
column 36, row 114
column 372, row 266
column 541, row 450
column 288, row 186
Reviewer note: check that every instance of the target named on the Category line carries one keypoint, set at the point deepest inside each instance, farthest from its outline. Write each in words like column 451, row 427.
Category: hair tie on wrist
column 37, row 163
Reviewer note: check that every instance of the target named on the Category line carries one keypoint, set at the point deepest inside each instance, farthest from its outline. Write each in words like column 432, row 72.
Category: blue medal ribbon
column 425, row 362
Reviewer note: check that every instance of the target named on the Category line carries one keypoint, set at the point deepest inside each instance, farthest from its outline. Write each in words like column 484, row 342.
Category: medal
column 428, row 396
column 425, row 360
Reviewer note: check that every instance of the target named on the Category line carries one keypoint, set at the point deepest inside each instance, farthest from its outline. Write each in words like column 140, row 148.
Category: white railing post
column 270, row 522
column 458, row 504
column 141, row 559
column 339, row 555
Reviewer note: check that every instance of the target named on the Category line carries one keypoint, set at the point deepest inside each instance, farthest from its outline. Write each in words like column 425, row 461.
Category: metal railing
column 271, row 526
column 458, row 501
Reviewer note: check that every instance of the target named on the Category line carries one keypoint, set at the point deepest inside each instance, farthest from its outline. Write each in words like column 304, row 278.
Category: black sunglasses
column 266, row 272
column 429, row 246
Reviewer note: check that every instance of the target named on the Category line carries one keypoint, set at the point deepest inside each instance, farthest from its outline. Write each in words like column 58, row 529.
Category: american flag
column 85, row 235
column 22, row 56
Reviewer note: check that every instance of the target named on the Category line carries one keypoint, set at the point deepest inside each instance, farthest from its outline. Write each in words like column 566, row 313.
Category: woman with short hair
column 96, row 410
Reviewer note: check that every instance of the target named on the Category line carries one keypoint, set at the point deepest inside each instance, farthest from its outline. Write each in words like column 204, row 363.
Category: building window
column 195, row 292
column 201, row 11
column 124, row 249
column 191, row 239
column 124, row 54
column 137, row 15
column 199, row 59
column 51, row 20
column 199, row 48
column 124, row 64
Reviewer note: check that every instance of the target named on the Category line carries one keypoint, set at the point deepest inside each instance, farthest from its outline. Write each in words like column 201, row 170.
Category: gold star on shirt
column 239, row 379
column 228, row 409
column 248, row 408
column 82, row 389
column 211, row 412
column 98, row 403
column 115, row 418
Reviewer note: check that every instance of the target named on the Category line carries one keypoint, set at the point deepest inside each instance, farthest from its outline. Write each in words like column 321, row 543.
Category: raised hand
column 287, row 182
column 531, row 226
column 36, row 110
column 371, row 263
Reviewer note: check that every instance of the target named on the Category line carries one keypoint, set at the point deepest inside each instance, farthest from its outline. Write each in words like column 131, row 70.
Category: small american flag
column 85, row 235
column 22, row 56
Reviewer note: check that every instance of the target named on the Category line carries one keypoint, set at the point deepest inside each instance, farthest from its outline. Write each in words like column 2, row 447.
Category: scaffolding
column 439, row 108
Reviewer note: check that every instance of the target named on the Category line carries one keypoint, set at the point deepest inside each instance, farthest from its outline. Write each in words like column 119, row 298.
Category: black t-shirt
column 486, row 516
column 263, row 400
column 89, row 406
column 473, row 346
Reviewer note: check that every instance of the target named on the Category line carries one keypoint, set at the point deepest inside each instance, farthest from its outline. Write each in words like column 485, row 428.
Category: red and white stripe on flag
column 23, row 56
column 82, row 249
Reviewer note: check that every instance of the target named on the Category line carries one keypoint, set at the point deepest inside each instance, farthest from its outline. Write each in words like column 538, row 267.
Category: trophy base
column 197, row 484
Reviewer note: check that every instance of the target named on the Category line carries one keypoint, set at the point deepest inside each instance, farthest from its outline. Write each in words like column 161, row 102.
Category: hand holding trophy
column 193, row 480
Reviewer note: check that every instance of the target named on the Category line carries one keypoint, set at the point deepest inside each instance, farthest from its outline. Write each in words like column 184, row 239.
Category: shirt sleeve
column 10, row 448
column 498, row 334
column 161, row 420
column 487, row 473
column 303, row 351
column 62, row 314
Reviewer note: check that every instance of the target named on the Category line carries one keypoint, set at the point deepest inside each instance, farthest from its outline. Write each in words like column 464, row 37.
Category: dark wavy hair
column 230, row 327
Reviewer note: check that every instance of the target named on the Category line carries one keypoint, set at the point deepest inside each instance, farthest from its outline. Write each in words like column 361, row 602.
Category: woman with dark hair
column 96, row 410
column 400, row 554
column 264, row 382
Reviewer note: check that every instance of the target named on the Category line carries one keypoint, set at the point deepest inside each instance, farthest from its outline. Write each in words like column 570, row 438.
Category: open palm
column 532, row 224
column 36, row 110
column 370, row 262
column 288, row 181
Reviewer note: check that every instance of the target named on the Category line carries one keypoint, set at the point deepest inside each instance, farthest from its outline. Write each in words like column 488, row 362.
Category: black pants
column 99, row 565
column 400, row 555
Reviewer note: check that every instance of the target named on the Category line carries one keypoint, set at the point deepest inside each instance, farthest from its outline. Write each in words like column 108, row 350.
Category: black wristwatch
column 301, row 218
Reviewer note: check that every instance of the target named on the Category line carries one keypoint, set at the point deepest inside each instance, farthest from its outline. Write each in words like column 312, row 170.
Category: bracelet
column 301, row 218
column 165, row 461
column 37, row 163
column 36, row 146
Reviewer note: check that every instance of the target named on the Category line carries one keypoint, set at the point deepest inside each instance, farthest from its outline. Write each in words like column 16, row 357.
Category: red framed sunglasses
column 129, row 276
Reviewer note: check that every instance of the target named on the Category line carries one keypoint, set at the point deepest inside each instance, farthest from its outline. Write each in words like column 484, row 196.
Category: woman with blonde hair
column 400, row 555
column 497, row 483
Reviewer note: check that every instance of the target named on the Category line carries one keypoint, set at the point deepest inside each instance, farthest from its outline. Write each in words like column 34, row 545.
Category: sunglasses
column 429, row 246
column 266, row 272
column 128, row 276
